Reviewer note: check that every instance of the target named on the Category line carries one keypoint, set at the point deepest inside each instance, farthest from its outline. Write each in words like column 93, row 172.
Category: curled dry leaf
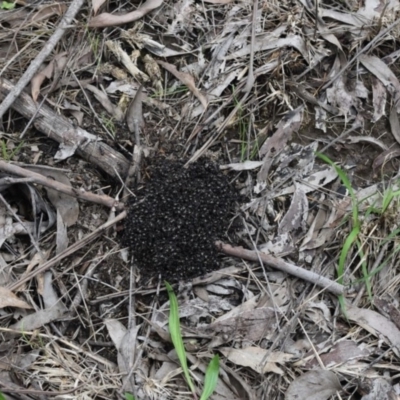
column 107, row 19
column 187, row 80
column 313, row 385
column 9, row 299
column 58, row 62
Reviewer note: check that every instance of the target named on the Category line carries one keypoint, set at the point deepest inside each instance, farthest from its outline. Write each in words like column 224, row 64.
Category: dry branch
column 60, row 187
column 281, row 265
column 67, row 252
column 58, row 127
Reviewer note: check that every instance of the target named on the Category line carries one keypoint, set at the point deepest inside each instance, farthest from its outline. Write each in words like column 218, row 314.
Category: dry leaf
column 40, row 318
column 9, row 299
column 116, row 330
column 107, row 19
column 39, row 78
column 368, row 139
column 377, row 67
column 378, row 99
column 187, row 80
column 67, row 206
column 134, row 113
column 62, row 236
column 340, row 353
column 243, row 166
column 380, row 389
column 121, row 54
column 313, row 385
column 385, row 157
column 376, row 323
column 102, row 97
column 275, row 144
column 294, row 221
column 218, row 1
column 96, row 4
column 253, row 357
column 47, row 11
column 269, row 42
column 57, row 63
column 242, row 324
column 395, row 124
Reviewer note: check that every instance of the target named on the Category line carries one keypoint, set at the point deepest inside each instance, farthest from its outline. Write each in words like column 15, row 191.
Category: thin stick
column 67, row 252
column 369, row 45
column 38, row 61
column 281, row 265
column 60, row 187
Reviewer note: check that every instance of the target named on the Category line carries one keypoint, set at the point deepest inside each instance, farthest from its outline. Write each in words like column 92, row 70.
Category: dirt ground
column 245, row 151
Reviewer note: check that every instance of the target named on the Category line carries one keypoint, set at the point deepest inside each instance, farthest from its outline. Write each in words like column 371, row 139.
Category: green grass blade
column 128, row 396
column 176, row 337
column 346, row 182
column 211, row 378
column 345, row 250
column 366, row 275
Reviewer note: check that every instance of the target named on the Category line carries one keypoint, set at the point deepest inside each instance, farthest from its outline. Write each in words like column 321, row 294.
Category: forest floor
column 135, row 136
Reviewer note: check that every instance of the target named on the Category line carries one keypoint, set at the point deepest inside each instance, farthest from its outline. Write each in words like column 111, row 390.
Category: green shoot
column 9, row 154
column 109, row 124
column 366, row 274
column 356, row 224
column 5, row 5
column 176, row 336
column 128, row 396
column 211, row 378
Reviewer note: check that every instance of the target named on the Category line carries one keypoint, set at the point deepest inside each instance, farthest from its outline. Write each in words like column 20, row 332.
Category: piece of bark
column 57, row 127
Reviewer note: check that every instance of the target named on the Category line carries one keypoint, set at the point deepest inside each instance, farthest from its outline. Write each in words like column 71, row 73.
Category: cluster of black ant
column 176, row 217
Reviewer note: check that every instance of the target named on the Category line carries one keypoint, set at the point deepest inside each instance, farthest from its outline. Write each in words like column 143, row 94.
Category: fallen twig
column 51, row 183
column 281, row 265
column 62, row 130
column 67, row 252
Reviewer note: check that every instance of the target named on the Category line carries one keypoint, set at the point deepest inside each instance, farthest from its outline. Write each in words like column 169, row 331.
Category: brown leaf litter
column 254, row 88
